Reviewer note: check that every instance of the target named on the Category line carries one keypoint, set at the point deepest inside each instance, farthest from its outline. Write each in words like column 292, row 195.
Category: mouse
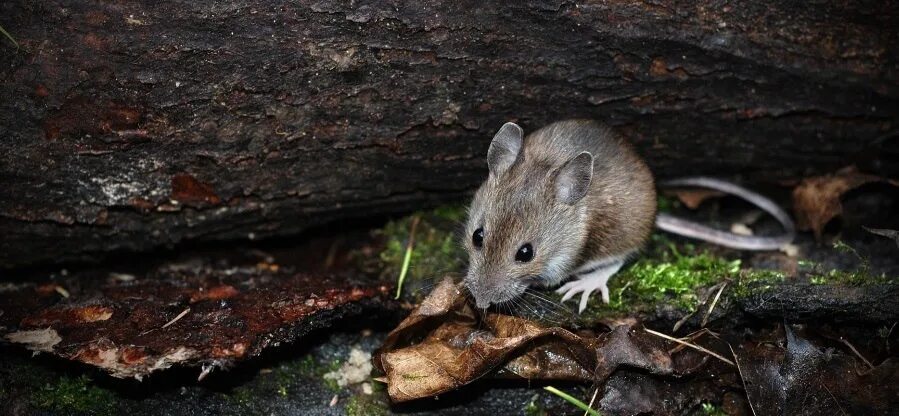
column 574, row 201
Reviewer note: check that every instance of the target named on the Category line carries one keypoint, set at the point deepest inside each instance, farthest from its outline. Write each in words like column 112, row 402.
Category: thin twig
column 591, row 401
column 682, row 321
column 834, row 398
column 705, row 319
column 692, row 337
column 694, row 346
column 743, row 380
column 858, row 354
column 62, row 291
column 408, row 257
column 207, row 368
column 180, row 315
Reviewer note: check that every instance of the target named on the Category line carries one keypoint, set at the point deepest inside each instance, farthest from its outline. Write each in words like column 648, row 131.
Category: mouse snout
column 483, row 291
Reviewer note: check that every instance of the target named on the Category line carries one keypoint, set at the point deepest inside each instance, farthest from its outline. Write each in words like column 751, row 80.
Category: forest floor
column 803, row 316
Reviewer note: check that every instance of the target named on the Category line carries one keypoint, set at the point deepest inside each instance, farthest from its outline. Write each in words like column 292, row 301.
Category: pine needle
column 180, row 315
column 705, row 319
column 694, row 346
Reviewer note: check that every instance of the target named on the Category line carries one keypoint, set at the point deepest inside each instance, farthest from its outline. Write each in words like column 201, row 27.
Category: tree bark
column 134, row 125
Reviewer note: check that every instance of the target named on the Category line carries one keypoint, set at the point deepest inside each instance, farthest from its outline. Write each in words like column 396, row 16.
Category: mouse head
column 526, row 224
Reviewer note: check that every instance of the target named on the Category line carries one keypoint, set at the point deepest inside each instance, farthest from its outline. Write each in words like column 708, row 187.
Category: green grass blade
column 8, row 36
column 572, row 400
column 406, row 260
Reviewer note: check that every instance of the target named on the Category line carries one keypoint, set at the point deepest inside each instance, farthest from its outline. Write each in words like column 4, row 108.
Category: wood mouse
column 575, row 200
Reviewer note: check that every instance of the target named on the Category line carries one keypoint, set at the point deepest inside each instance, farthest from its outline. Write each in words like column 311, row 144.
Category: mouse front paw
column 586, row 287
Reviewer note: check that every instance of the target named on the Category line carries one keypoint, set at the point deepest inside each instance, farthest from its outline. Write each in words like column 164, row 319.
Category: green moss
column 241, row 396
column 308, row 367
column 365, row 405
column 666, row 204
column 861, row 276
column 667, row 274
column 74, row 395
column 673, row 277
column 754, row 281
column 709, row 409
column 436, row 250
column 284, row 379
column 533, row 408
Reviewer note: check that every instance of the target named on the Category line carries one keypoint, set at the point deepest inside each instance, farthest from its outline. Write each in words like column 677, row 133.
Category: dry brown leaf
column 816, row 200
column 444, row 344
column 692, row 197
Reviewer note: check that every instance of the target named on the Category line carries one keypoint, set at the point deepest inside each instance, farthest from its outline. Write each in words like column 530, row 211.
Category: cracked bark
column 144, row 124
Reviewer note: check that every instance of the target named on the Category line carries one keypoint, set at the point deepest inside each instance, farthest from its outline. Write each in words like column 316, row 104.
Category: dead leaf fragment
column 445, row 344
column 816, row 200
column 891, row 234
column 692, row 198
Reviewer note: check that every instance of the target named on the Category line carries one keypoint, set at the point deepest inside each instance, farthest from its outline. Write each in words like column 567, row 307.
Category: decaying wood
column 192, row 314
column 135, row 125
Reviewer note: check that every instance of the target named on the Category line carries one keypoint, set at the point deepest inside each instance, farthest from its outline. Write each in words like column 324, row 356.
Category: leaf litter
column 446, row 343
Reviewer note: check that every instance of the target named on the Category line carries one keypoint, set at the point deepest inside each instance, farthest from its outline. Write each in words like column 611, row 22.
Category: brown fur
column 520, row 205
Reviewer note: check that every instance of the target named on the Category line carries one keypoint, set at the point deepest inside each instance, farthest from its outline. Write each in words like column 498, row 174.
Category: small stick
column 591, row 401
column 407, row 258
column 692, row 337
column 857, row 353
column 834, row 398
column 740, row 372
column 180, row 315
column 205, row 371
column 682, row 321
column 705, row 319
column 694, row 346
column 62, row 291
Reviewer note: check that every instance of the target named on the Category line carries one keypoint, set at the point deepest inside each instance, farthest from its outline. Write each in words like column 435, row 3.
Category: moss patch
column 74, row 395
column 307, row 368
column 534, row 408
column 668, row 274
column 284, row 380
column 672, row 275
column 365, row 405
column 861, row 276
column 436, row 250
column 709, row 409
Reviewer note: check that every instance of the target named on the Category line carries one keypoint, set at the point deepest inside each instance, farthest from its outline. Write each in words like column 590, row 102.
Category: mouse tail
column 680, row 226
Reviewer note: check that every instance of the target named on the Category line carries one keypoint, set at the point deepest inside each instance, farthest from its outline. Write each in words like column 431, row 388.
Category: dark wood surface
column 142, row 124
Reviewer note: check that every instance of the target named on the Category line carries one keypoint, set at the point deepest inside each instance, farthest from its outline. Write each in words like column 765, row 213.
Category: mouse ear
column 504, row 148
column 573, row 178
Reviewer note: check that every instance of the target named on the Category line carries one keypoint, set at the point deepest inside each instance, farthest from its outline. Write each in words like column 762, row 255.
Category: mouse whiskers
column 546, row 309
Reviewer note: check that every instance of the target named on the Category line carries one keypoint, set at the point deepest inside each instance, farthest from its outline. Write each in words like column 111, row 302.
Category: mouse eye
column 478, row 238
column 525, row 253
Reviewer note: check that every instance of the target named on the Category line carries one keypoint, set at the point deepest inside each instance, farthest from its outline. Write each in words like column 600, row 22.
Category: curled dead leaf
column 445, row 344
column 816, row 200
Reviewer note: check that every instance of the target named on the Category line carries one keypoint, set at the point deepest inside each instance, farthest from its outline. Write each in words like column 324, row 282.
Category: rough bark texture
column 139, row 124
column 182, row 314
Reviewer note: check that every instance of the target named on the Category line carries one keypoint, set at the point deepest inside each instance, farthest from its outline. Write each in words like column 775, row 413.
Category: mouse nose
column 482, row 303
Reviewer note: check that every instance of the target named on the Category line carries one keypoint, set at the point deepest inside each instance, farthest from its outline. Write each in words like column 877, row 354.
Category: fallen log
column 132, row 126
